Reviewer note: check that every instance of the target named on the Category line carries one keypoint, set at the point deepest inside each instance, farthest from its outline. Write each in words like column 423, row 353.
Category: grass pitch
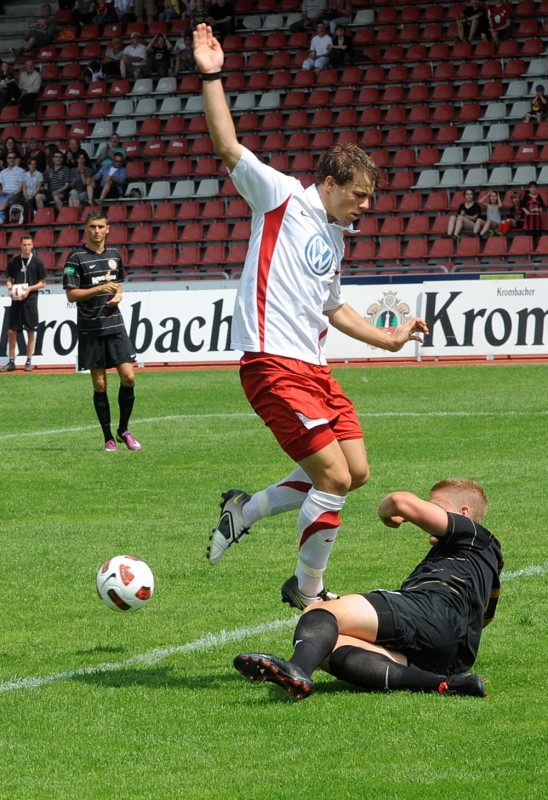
column 97, row 704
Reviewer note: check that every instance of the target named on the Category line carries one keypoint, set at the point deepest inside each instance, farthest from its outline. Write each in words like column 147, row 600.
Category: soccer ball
column 125, row 583
column 18, row 289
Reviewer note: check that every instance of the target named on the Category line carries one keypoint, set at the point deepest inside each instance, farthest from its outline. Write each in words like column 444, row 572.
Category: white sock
column 286, row 495
column 319, row 523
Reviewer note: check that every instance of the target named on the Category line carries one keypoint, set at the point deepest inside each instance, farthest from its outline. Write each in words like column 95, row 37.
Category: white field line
column 208, row 642
column 250, row 415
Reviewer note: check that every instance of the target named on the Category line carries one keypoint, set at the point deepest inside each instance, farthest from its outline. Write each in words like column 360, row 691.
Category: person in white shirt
column 289, row 292
column 321, row 43
column 134, row 58
column 30, row 81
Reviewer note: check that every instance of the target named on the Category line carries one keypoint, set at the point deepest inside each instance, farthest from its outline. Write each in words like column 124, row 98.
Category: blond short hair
column 464, row 492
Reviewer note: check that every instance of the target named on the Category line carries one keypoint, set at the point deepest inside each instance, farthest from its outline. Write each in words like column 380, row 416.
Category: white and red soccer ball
column 125, row 583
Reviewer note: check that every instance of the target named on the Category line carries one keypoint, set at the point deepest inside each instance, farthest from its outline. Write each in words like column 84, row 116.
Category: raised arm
column 401, row 507
column 348, row 321
column 209, row 59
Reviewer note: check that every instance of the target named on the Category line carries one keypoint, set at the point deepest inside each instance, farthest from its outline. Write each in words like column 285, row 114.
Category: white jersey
column 292, row 268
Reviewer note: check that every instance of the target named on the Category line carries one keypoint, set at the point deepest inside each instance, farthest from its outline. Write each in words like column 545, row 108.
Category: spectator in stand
column 32, row 185
column 488, row 223
column 159, row 55
column 112, row 58
column 171, row 9
column 33, row 152
column 112, row 178
column 40, row 32
column 51, row 150
column 9, row 90
column 125, row 12
column 196, row 12
column 539, row 106
column 30, row 82
column 533, row 205
column 466, row 215
column 134, row 58
column 106, row 153
column 312, row 12
column 106, row 15
column 515, row 217
column 221, row 18
column 57, row 184
column 341, row 51
column 145, row 7
column 321, row 43
column 500, row 20
column 4, row 206
column 11, row 178
column 338, row 13
column 73, row 152
column 184, row 55
column 82, row 185
column 473, row 21
column 83, row 13
column 93, row 72
column 8, row 148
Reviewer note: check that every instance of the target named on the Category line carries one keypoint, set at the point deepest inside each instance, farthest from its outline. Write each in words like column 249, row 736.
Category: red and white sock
column 286, row 495
column 319, row 523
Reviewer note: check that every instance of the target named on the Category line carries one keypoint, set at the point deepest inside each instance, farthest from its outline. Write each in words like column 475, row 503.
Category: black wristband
column 211, row 76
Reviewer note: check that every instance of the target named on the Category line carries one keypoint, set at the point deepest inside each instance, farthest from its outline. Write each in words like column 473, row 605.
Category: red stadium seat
column 140, row 258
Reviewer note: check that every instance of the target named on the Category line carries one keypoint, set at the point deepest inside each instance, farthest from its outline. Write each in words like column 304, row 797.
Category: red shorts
column 301, row 403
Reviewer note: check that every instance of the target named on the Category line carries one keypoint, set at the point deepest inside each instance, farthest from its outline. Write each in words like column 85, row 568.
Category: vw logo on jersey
column 319, row 255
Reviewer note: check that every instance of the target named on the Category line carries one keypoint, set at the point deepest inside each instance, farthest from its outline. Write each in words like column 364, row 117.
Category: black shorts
column 96, row 352
column 22, row 316
column 424, row 626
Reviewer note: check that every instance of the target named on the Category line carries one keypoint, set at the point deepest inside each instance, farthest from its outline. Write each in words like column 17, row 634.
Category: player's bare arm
column 209, row 58
column 348, row 321
column 400, row 507
column 81, row 295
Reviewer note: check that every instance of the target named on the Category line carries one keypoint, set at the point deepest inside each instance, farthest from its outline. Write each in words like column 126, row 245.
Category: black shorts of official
column 22, row 316
column 424, row 626
column 104, row 352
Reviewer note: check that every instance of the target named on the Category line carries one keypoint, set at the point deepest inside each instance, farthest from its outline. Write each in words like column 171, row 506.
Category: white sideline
column 251, row 415
column 207, row 642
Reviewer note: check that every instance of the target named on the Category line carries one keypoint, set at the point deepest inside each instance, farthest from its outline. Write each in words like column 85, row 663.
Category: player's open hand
column 208, row 53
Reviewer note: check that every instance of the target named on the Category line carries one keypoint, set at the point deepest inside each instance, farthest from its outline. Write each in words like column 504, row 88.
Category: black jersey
column 465, row 567
column 30, row 271
column 84, row 268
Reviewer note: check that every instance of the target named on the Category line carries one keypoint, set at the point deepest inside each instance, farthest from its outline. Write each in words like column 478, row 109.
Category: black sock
column 376, row 672
column 102, row 409
column 126, row 398
column 315, row 637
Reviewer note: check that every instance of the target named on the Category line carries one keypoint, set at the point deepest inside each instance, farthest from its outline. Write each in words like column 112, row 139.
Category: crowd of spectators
column 34, row 177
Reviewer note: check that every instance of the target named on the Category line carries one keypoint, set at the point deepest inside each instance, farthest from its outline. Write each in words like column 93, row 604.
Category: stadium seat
column 140, row 258
column 521, row 245
column 475, row 177
column 404, row 157
column 427, row 179
column 417, row 225
column 140, row 212
column 389, row 250
column 523, row 175
column 141, row 234
column 415, row 250
column 495, row 246
column 452, row 155
column 411, row 203
column 421, row 136
column 442, row 250
column 436, row 201
column 102, row 129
